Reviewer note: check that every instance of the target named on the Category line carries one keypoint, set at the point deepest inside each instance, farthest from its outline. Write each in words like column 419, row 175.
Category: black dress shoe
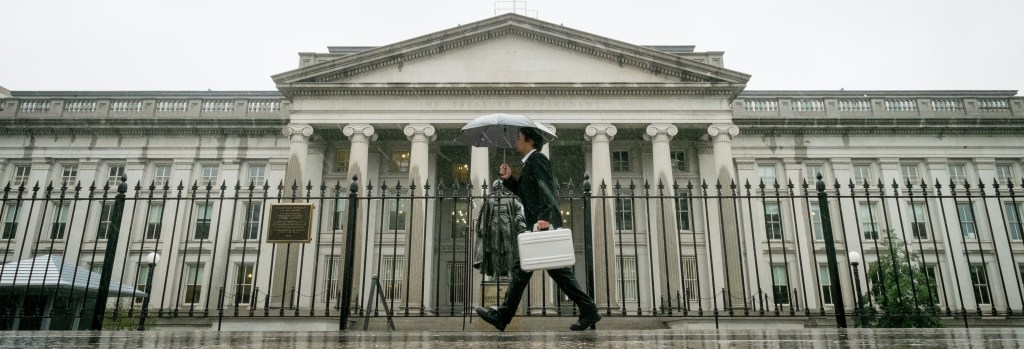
column 492, row 317
column 585, row 323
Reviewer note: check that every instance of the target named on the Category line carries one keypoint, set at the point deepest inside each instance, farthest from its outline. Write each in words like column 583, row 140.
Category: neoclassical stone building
column 623, row 113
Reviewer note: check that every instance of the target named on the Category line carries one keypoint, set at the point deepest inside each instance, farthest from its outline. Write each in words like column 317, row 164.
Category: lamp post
column 854, row 262
column 152, row 258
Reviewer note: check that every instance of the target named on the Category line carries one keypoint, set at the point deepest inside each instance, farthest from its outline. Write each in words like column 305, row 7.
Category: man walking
column 535, row 187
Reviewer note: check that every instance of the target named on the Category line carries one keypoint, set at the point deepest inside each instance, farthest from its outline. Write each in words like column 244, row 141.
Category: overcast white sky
column 783, row 44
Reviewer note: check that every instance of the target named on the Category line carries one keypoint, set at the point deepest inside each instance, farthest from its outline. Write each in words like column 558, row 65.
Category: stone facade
column 389, row 114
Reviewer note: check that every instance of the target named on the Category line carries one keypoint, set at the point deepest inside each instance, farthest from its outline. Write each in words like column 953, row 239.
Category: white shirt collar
column 528, row 155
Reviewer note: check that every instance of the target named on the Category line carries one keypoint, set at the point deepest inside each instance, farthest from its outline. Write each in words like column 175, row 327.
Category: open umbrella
column 498, row 130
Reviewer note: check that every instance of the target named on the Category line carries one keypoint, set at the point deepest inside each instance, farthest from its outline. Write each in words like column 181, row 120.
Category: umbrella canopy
column 499, row 130
column 51, row 271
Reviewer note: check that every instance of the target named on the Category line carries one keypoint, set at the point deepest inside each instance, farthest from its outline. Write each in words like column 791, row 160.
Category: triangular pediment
column 512, row 50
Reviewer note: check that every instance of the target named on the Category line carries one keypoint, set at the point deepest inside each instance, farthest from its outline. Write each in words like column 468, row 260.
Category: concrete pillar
column 1004, row 291
column 418, row 246
column 603, row 217
column 360, row 136
column 664, row 247
column 728, row 243
column 286, row 257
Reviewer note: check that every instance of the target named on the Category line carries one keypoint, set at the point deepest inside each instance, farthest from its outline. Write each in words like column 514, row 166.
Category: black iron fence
column 679, row 250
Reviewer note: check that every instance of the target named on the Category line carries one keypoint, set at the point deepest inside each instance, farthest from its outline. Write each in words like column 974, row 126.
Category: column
column 286, row 258
column 360, row 136
column 603, row 217
column 725, row 239
column 995, row 216
column 956, row 272
column 418, row 246
column 664, row 247
column 546, row 150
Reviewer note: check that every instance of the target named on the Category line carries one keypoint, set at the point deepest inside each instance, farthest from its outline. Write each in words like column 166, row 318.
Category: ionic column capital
column 359, row 132
column 552, row 128
column 719, row 132
column 420, row 132
column 600, row 132
column 660, row 132
column 297, row 130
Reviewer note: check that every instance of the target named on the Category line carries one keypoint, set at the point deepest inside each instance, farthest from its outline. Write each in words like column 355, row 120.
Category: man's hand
column 504, row 171
column 543, row 225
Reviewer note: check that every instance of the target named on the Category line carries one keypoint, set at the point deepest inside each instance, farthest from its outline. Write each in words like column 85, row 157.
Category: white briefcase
column 549, row 249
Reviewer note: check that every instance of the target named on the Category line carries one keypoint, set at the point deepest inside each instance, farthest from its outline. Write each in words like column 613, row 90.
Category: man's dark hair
column 533, row 134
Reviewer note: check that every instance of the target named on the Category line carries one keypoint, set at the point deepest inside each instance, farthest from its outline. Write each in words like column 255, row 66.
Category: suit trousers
column 563, row 277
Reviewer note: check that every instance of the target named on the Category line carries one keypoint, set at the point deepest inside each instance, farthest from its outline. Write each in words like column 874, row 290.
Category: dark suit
column 535, row 187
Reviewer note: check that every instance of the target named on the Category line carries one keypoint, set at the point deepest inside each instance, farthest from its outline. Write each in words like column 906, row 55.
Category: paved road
column 805, row 338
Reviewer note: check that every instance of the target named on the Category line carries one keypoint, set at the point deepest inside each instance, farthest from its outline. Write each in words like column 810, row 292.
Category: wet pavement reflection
column 804, row 338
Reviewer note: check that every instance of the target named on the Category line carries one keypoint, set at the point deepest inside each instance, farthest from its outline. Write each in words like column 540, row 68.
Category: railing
column 761, row 105
column 80, row 106
column 34, row 106
column 264, row 106
column 947, row 105
column 680, row 250
column 993, row 104
column 900, row 105
column 808, row 105
column 125, row 106
column 860, row 105
column 171, row 106
column 218, row 106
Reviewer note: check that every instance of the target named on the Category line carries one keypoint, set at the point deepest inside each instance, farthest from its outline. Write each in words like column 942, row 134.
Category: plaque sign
column 290, row 223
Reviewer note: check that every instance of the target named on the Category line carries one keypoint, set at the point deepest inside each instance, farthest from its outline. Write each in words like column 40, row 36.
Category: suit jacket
column 536, row 188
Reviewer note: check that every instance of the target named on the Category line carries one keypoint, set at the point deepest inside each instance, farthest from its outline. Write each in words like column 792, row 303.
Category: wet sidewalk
column 804, row 338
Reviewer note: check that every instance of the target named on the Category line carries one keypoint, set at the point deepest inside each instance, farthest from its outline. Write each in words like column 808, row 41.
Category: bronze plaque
column 290, row 222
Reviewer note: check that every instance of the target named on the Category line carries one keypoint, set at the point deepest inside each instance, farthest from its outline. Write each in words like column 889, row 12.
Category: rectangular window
column 340, row 216
column 624, row 214
column 862, row 174
column 106, row 211
column 251, row 230
column 780, row 284
column 257, row 175
column 331, row 291
column 399, row 161
column 690, row 279
column 868, row 214
column 816, row 225
column 918, row 224
column 204, row 213
column 965, row 213
column 193, row 283
column 1013, row 220
column 1004, row 174
column 341, row 161
column 393, row 280
column 243, row 282
column 620, row 161
column 979, row 277
column 397, row 214
column 682, row 214
column 679, row 161
column 154, row 221
column 958, row 174
column 21, row 173
column 457, row 282
column 767, row 175
column 210, row 173
column 811, row 173
column 140, row 281
column 825, row 279
column 11, row 221
column 69, row 174
column 626, row 283
column 929, row 272
column 910, row 174
column 772, row 221
column 60, row 221
column 114, row 173
column 460, row 219
column 161, row 175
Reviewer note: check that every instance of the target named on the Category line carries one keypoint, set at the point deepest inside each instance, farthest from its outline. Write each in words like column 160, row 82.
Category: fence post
column 108, row 256
column 350, row 250
column 830, row 253
column 588, row 235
